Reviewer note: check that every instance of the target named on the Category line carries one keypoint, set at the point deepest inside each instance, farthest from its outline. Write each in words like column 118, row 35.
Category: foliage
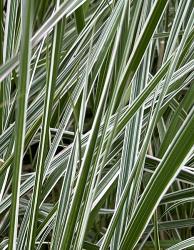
column 96, row 124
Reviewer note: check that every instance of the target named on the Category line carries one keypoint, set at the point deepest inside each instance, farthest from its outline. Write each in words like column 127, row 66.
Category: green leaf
column 21, row 117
